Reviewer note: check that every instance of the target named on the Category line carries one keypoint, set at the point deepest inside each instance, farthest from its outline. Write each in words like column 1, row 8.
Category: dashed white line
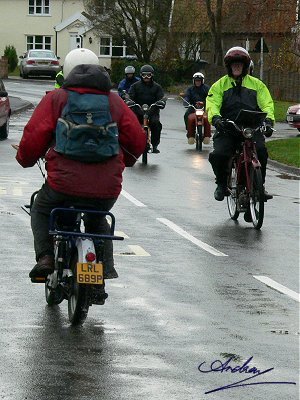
column 132, row 199
column 191, row 238
column 277, row 286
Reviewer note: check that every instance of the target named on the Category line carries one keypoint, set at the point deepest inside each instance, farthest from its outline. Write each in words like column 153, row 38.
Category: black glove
column 160, row 104
column 268, row 127
column 219, row 123
column 130, row 103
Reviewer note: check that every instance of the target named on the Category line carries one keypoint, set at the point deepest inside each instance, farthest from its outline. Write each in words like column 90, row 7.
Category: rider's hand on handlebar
column 219, row 123
column 161, row 104
column 268, row 131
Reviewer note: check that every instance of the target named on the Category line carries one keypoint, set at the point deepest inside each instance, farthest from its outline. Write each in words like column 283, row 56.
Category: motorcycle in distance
column 245, row 186
column 199, row 111
column 78, row 275
column 146, row 111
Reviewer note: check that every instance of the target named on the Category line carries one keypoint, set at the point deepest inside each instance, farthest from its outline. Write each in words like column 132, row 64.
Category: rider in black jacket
column 146, row 91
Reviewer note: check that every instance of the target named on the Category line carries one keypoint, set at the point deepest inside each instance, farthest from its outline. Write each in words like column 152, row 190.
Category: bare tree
column 138, row 23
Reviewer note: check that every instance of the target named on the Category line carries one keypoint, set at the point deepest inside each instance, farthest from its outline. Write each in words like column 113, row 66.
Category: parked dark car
column 39, row 62
column 5, row 112
column 293, row 116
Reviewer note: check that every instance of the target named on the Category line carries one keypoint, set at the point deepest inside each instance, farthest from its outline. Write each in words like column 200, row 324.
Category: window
column 39, row 7
column 112, row 48
column 39, row 42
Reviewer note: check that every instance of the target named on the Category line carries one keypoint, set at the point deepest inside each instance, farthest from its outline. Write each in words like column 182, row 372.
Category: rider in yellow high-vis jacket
column 59, row 80
column 233, row 92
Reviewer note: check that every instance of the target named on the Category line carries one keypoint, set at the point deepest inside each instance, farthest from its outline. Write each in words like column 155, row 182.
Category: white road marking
column 138, row 250
column 191, row 238
column 120, row 233
column 277, row 286
column 135, row 251
column 132, row 199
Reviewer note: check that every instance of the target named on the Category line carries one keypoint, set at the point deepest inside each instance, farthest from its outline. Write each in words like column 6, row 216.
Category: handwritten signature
column 219, row 366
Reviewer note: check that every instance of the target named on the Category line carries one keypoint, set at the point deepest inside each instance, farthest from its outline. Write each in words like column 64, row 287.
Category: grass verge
column 286, row 151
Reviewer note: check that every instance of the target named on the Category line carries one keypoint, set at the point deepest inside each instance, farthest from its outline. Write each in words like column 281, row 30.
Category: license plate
column 290, row 118
column 42, row 63
column 90, row 273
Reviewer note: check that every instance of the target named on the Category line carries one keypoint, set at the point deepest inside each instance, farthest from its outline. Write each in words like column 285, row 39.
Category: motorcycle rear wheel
column 78, row 301
column 257, row 200
column 199, row 137
column 232, row 203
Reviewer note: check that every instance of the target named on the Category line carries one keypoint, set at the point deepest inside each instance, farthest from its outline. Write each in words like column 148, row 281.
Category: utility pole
column 261, row 72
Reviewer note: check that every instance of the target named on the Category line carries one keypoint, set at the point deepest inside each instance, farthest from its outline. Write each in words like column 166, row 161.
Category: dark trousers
column 47, row 199
column 224, row 148
column 154, row 124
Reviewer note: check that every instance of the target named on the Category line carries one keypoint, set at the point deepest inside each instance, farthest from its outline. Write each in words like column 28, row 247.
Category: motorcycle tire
column 78, row 301
column 257, row 198
column 199, row 137
column 232, row 198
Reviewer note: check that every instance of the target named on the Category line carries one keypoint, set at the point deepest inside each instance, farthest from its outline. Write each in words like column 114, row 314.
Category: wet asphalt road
column 188, row 290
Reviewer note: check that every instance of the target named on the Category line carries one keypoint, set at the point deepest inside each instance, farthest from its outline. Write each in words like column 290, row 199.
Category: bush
column 11, row 54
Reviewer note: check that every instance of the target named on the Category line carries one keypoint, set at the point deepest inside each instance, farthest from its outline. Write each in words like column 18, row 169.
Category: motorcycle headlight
column 199, row 112
column 145, row 107
column 248, row 133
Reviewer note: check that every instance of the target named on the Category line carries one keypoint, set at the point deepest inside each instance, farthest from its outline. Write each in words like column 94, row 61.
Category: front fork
column 250, row 158
column 148, row 134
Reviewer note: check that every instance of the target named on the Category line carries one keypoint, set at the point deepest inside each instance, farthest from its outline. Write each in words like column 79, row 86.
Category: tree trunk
column 215, row 22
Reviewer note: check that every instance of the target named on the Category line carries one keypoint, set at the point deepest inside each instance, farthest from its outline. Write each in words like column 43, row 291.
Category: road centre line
column 191, row 238
column 132, row 199
column 277, row 286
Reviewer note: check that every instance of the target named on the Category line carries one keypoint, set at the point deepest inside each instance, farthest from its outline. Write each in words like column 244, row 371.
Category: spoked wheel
column 53, row 296
column 233, row 195
column 257, row 203
column 199, row 137
column 78, row 302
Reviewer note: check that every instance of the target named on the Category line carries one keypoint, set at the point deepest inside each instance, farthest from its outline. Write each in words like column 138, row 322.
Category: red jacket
column 97, row 180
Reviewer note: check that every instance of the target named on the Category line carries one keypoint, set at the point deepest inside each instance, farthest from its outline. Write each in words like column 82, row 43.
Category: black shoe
column 155, row 150
column 220, row 192
column 247, row 216
column 267, row 195
column 43, row 268
column 110, row 273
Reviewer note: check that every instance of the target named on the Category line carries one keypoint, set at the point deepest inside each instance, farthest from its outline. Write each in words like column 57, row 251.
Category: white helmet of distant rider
column 78, row 57
column 198, row 76
column 129, row 70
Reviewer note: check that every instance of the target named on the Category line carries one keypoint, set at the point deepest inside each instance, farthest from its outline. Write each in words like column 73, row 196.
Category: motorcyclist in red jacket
column 90, row 185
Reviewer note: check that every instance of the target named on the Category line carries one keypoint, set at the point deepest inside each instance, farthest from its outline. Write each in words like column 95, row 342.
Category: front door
column 75, row 41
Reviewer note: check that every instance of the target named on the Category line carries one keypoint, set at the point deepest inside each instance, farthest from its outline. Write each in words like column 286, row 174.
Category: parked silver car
column 293, row 116
column 39, row 62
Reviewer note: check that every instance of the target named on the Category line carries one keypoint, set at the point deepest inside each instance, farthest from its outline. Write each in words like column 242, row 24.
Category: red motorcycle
column 199, row 123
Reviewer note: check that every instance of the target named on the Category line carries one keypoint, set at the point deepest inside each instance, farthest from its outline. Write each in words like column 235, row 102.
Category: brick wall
column 3, row 67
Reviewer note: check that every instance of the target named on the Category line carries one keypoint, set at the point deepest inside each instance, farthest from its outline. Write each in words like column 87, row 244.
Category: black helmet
column 237, row 54
column 146, row 69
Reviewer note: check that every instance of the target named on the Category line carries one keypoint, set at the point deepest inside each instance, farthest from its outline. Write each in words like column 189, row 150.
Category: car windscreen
column 41, row 54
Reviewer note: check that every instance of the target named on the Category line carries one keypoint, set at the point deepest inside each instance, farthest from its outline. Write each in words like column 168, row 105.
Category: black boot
column 220, row 192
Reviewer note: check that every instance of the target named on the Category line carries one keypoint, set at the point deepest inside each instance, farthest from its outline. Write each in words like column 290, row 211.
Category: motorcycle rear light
column 90, row 257
column 55, row 62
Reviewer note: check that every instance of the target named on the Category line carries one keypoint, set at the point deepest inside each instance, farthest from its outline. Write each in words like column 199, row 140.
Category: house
column 58, row 25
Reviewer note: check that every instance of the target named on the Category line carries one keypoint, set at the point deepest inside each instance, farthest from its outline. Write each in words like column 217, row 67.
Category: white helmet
column 78, row 57
column 129, row 69
column 198, row 75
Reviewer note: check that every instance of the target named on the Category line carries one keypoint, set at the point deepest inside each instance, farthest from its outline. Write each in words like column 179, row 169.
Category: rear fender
column 84, row 246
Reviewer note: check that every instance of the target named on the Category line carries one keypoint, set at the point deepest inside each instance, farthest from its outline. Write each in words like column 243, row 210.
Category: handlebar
column 248, row 132
column 200, row 107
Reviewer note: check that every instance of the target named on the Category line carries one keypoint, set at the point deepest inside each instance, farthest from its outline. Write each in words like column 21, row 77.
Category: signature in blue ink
column 219, row 366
